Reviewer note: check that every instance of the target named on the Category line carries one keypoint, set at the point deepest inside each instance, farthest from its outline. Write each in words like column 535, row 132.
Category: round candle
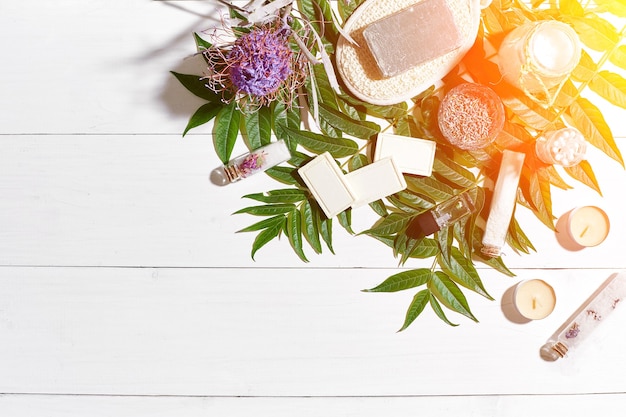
column 534, row 299
column 588, row 225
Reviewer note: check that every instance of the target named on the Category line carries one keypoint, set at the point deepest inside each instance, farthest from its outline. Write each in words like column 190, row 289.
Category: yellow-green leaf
column 611, row 87
column 449, row 294
column 584, row 173
column 415, row 308
column 595, row 32
column 587, row 118
column 403, row 281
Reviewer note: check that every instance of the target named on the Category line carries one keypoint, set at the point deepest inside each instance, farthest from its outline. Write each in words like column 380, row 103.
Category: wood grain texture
column 124, row 289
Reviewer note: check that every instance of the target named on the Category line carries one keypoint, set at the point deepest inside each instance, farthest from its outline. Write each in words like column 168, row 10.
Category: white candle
column 588, row 225
column 534, row 299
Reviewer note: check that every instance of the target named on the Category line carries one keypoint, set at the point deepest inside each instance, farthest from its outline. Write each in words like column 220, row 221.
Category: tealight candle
column 588, row 225
column 534, row 299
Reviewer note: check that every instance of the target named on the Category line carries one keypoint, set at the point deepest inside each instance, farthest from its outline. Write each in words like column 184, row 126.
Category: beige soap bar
column 412, row 36
column 375, row 181
column 411, row 155
column 327, row 184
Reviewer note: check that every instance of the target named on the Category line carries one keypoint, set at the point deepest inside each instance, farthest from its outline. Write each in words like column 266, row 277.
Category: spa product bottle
column 255, row 161
column 590, row 314
column 565, row 147
column 440, row 216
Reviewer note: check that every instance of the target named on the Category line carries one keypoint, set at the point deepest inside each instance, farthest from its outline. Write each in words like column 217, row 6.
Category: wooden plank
column 147, row 200
column 444, row 406
column 283, row 332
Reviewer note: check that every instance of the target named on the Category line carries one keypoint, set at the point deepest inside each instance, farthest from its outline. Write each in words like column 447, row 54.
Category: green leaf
column 463, row 272
column 226, row 130
column 595, row 32
column 266, row 236
column 294, row 233
column 326, row 230
column 395, row 111
column 616, row 7
column 258, row 126
column 286, row 175
column 196, row 85
column 611, row 87
column 415, row 308
column 393, row 223
column 429, row 187
column 204, row 114
column 264, row 224
column 357, row 161
column 279, row 196
column 201, row 44
column 517, row 239
column 587, row 118
column 439, row 311
column 357, row 128
column 403, row 281
column 586, row 68
column 267, row 210
column 531, row 113
column 453, row 172
column 310, row 227
column 284, row 118
column 584, row 173
column 449, row 294
column 345, row 220
column 618, row 57
column 571, row 7
column 319, row 144
column 540, row 196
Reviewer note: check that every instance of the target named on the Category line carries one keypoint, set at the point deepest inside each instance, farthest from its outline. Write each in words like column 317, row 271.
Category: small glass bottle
column 538, row 56
column 252, row 162
column 440, row 216
column 588, row 316
column 565, row 147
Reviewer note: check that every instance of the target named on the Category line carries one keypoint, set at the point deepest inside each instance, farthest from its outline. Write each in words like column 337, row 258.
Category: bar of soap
column 327, row 184
column 411, row 155
column 375, row 181
column 412, row 36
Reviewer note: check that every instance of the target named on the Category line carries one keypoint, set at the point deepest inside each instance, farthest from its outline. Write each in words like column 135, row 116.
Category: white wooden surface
column 124, row 290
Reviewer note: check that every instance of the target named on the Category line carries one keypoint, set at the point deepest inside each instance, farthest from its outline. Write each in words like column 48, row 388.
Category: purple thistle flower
column 259, row 62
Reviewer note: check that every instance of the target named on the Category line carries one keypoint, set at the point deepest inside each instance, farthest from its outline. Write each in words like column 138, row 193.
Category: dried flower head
column 257, row 68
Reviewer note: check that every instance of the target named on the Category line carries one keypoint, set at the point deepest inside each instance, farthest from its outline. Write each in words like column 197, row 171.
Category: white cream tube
column 502, row 203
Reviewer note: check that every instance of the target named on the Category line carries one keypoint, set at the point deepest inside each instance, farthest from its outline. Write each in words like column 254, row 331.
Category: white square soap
column 375, row 181
column 327, row 184
column 411, row 155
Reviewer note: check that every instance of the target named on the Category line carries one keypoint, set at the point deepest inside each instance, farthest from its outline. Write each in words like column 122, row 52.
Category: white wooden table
column 124, row 290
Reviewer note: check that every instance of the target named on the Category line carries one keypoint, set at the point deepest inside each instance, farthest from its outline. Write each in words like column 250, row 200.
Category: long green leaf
column 264, row 224
column 317, row 143
column 258, row 127
column 326, row 230
column 611, row 87
column 589, row 120
column 541, row 196
column 286, row 175
column 439, row 311
column 618, row 57
column 357, row 128
column 204, row 114
column 584, row 173
column 266, row 236
column 393, row 223
column 449, row 294
column 310, row 226
column 430, row 187
column 267, row 210
column 294, row 233
column 226, row 130
column 617, row 7
column 463, row 272
column 595, row 32
column 415, row 308
column 279, row 196
column 403, row 281
column 196, row 85
column 453, row 172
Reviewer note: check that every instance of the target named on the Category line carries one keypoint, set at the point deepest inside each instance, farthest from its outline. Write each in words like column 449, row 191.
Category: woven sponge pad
column 359, row 71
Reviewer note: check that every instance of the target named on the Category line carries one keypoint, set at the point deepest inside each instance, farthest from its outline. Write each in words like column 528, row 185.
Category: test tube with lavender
column 593, row 311
column 255, row 161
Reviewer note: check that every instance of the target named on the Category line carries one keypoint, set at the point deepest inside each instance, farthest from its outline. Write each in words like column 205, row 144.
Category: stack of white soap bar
column 412, row 36
column 412, row 155
column 335, row 191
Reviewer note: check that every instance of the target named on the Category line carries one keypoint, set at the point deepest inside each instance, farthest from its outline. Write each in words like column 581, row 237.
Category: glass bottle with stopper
column 440, row 216
column 588, row 316
column 251, row 163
